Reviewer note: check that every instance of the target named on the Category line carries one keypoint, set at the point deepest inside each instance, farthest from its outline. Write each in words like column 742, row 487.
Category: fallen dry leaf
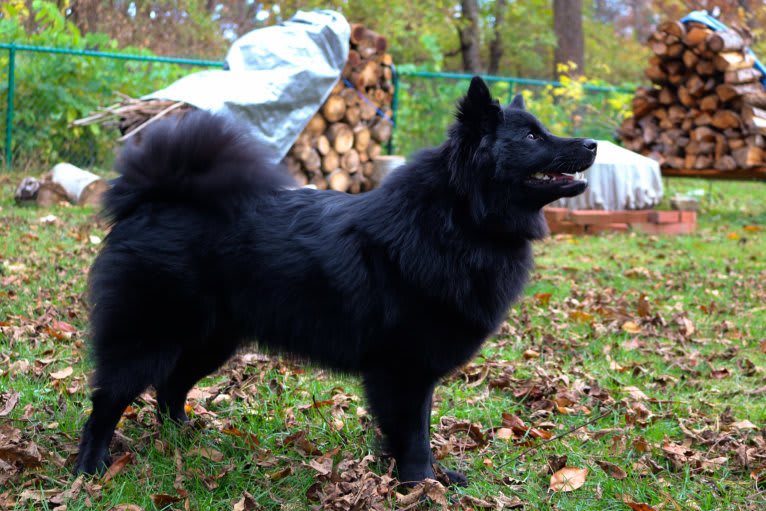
column 117, row 467
column 429, row 488
column 612, row 470
column 250, row 439
column 64, row 373
column 517, row 425
column 530, row 354
column 246, row 503
column 628, row 500
column 635, row 393
column 300, row 440
column 281, row 473
column 323, row 466
column 69, row 494
column 745, row 424
column 28, row 456
column 631, row 327
column 162, row 500
column 720, row 373
column 643, row 306
column 38, row 496
column 580, row 316
column 206, row 452
column 8, row 401
column 568, row 479
column 63, row 326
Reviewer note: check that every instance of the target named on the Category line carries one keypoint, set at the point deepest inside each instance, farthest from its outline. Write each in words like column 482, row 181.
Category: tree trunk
column 469, row 36
column 496, row 46
column 641, row 23
column 567, row 23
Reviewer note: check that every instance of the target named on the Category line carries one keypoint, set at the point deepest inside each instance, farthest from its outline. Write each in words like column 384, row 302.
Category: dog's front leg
column 401, row 404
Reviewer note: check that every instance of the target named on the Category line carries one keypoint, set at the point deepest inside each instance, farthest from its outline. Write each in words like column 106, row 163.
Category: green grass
column 699, row 360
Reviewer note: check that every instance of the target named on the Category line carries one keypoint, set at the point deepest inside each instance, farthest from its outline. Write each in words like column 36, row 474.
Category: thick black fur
column 211, row 248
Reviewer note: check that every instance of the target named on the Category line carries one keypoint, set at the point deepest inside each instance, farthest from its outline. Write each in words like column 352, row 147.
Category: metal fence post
column 9, row 106
column 394, row 105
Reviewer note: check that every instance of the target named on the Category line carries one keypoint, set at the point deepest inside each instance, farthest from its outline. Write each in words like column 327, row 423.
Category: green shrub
column 426, row 107
column 52, row 90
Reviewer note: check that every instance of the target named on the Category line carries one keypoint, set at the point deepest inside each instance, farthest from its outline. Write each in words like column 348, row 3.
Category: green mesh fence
column 42, row 90
column 427, row 102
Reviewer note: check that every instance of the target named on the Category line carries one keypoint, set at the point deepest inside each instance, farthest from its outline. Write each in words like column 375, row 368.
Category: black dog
column 211, row 248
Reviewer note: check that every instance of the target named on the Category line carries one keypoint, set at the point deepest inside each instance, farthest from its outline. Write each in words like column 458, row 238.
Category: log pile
column 337, row 147
column 706, row 108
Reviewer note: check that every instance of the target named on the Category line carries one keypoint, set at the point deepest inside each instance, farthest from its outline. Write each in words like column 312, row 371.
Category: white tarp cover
column 619, row 179
column 276, row 79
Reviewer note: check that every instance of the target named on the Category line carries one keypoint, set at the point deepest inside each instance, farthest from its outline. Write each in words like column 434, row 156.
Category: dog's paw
column 177, row 416
column 449, row 477
column 91, row 463
column 455, row 478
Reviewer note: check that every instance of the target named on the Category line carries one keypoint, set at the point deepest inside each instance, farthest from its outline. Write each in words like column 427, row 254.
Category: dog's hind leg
column 402, row 408
column 191, row 367
column 114, row 389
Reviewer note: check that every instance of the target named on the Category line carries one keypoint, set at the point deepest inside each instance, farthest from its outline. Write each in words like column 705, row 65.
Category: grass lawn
column 633, row 367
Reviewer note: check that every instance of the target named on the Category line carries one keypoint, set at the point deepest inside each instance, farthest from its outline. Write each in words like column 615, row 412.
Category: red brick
column 555, row 214
column 689, row 217
column 565, row 228
column 674, row 228
column 665, row 217
column 614, row 227
column 591, row 216
column 632, row 217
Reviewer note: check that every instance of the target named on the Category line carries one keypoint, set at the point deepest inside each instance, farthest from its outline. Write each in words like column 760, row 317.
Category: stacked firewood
column 338, row 145
column 706, row 108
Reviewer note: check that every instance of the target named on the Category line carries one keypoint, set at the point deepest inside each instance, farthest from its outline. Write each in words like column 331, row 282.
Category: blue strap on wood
column 715, row 24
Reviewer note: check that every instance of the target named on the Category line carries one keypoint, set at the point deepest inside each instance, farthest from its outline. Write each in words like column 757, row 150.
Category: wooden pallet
column 757, row 173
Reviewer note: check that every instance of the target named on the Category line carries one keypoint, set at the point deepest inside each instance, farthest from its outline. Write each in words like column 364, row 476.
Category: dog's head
column 506, row 162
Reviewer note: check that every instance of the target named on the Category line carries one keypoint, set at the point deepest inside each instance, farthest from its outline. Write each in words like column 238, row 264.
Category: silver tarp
column 276, row 78
column 619, row 179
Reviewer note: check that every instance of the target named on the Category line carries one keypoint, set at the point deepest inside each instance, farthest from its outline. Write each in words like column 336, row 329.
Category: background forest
column 502, row 37
column 534, row 39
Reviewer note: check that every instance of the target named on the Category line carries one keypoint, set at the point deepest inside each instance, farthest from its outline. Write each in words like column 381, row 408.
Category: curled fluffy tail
column 198, row 158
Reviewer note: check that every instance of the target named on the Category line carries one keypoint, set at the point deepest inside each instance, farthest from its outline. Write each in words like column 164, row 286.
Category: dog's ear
column 518, row 102
column 477, row 109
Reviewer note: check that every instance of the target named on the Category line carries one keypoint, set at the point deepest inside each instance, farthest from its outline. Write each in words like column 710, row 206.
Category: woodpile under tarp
column 706, row 107
column 338, row 145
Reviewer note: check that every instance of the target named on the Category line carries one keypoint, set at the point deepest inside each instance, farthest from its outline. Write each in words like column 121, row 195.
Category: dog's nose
column 590, row 144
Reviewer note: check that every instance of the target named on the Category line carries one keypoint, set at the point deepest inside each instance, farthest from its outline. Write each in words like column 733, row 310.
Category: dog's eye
column 531, row 136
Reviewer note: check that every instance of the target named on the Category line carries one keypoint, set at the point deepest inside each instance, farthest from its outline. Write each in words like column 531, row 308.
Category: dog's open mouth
column 556, row 178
